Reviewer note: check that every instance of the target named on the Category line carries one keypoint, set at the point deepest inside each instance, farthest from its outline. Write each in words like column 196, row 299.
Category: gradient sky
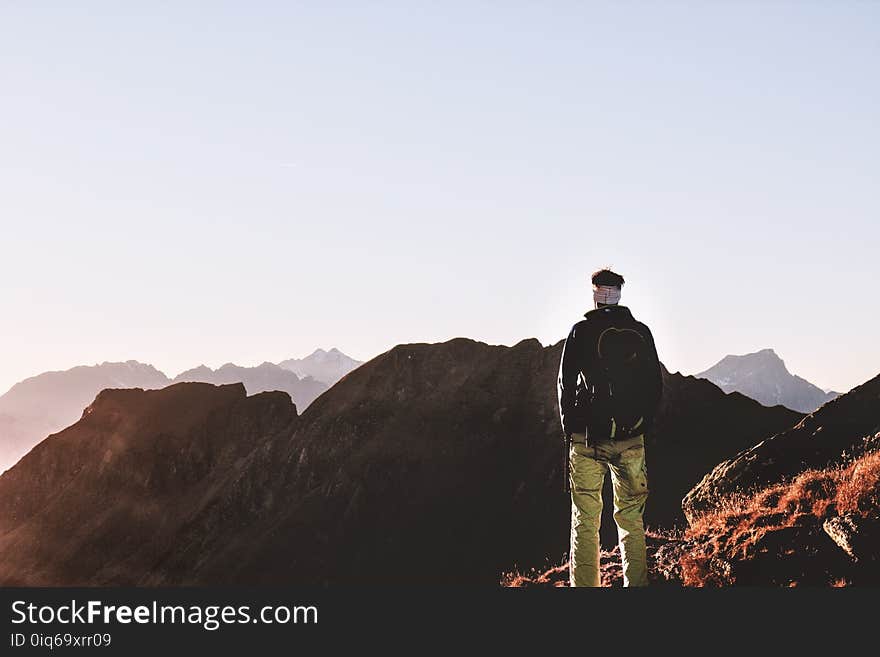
column 187, row 183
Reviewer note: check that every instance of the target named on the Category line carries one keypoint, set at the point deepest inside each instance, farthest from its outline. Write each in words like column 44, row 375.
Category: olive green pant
column 625, row 459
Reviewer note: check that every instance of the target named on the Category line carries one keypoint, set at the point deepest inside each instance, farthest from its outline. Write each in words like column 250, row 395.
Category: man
column 610, row 386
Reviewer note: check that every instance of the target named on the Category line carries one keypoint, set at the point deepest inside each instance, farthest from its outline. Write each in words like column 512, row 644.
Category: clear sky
column 186, row 183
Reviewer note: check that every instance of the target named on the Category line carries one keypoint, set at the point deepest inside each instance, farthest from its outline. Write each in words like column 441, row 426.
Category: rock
column 843, row 531
column 858, row 536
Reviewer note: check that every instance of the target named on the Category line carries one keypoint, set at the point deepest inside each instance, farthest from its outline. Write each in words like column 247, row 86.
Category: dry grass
column 611, row 572
column 737, row 523
column 550, row 577
column 859, row 492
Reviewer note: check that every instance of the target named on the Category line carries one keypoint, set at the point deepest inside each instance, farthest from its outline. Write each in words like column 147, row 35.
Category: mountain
column 44, row 404
column 263, row 378
column 325, row 366
column 431, row 464
column 764, row 377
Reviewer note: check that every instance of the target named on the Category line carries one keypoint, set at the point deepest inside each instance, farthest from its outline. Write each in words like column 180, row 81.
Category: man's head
column 606, row 287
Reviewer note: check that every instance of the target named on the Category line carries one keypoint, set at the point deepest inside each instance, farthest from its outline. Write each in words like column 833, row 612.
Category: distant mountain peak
column 327, row 366
column 201, row 369
column 767, row 354
column 763, row 376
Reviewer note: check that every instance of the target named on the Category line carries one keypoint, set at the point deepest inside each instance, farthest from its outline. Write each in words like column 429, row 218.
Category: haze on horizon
column 181, row 185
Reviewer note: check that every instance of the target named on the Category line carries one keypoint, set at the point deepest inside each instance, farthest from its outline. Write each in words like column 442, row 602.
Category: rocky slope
column 821, row 527
column 430, row 464
column 764, row 377
column 44, row 404
column 839, row 428
column 325, row 366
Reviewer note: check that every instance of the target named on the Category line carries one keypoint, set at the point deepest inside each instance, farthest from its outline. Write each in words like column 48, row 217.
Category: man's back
column 610, row 384
column 593, row 343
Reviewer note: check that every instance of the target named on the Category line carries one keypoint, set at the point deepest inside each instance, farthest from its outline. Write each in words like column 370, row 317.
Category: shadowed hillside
column 103, row 501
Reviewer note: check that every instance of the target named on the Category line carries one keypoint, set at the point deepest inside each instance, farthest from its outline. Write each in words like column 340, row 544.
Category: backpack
column 620, row 384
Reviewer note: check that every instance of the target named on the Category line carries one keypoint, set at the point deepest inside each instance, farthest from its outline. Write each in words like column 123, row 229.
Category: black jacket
column 579, row 356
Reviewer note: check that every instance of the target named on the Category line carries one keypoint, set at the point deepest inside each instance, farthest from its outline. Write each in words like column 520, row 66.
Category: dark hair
column 607, row 277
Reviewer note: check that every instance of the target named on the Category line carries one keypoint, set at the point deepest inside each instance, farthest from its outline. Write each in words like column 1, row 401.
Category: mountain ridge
column 48, row 402
column 460, row 435
column 260, row 378
column 26, row 417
